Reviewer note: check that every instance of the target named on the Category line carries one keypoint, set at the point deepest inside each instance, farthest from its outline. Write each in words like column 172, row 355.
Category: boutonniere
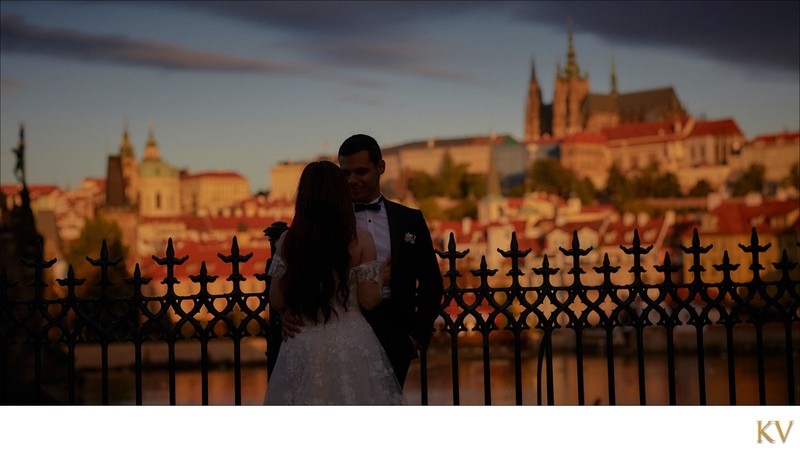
column 410, row 238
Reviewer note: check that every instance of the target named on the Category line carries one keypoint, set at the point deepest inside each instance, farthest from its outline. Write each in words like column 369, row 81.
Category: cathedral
column 150, row 188
column 574, row 109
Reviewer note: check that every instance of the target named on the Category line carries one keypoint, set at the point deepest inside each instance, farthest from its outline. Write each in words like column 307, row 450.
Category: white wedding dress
column 340, row 362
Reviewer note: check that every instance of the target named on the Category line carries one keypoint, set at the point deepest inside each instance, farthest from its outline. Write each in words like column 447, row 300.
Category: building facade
column 212, row 193
column 576, row 109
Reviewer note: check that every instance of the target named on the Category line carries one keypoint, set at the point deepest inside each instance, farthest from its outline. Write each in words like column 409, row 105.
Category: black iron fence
column 42, row 327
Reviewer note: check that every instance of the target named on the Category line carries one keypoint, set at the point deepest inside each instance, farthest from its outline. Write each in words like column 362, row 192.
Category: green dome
column 156, row 168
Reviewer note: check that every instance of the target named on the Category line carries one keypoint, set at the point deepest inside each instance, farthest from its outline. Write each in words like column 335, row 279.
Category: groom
column 412, row 292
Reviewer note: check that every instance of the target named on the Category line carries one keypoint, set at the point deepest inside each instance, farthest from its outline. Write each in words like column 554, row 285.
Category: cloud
column 9, row 85
column 403, row 58
column 18, row 36
column 374, row 35
column 760, row 35
column 755, row 34
column 336, row 19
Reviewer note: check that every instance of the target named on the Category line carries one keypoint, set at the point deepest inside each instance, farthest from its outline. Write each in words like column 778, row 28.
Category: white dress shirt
column 377, row 223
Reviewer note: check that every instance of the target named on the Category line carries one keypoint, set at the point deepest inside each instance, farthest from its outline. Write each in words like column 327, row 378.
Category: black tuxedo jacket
column 416, row 283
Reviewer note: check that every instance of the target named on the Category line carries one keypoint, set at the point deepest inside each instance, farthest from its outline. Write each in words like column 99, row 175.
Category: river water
column 471, row 380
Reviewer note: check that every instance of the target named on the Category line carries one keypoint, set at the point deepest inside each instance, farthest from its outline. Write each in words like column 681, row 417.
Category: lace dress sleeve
column 369, row 272
column 278, row 267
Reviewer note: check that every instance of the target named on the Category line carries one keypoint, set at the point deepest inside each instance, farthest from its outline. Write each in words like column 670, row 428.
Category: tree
column 89, row 244
column 430, row 208
column 467, row 207
column 585, row 190
column 549, row 176
column 793, row 178
column 619, row 188
column 701, row 189
column 666, row 185
column 751, row 180
column 452, row 181
column 422, row 185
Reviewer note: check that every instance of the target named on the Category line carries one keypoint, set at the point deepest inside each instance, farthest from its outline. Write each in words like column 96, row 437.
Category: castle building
column 283, row 180
column 212, row 193
column 692, row 149
column 777, row 152
column 575, row 109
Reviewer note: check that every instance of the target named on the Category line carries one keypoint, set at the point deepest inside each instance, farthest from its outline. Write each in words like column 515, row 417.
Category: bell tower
column 571, row 89
column 533, row 122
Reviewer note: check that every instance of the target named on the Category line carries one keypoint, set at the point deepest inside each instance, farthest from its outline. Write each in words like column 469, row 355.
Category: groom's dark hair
column 361, row 142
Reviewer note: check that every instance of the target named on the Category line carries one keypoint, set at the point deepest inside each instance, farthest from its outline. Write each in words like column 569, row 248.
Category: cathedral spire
column 533, row 108
column 151, row 150
column 613, row 76
column 151, row 139
column 125, row 148
column 572, row 69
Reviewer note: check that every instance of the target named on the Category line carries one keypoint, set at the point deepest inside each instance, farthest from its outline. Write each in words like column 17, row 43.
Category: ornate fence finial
column 515, row 256
column 696, row 250
column 451, row 255
column 755, row 249
column 70, row 282
column 104, row 262
column 785, row 266
column 483, row 273
column 170, row 261
column 545, row 271
column 234, row 260
column 726, row 267
column 637, row 251
column 38, row 265
column 576, row 253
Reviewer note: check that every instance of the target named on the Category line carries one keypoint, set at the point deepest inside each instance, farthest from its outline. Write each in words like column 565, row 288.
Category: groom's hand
column 291, row 325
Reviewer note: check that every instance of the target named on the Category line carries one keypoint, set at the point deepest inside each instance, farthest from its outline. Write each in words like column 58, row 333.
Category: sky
column 243, row 86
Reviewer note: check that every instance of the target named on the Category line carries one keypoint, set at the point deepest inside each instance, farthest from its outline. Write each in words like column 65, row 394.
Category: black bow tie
column 371, row 207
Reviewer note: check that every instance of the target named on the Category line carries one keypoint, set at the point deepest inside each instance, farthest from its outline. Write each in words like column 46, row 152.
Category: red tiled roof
column 210, row 223
column 514, row 202
column 598, row 209
column 622, row 234
column 639, row 130
column 100, row 182
column 440, row 228
column 786, row 137
column 35, row 190
column 720, row 127
column 586, row 137
column 736, row 217
column 571, row 227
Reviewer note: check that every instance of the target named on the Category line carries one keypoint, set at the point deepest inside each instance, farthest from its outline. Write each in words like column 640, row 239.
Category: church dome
column 156, row 168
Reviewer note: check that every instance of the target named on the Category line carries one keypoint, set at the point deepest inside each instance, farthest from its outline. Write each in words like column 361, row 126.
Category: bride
column 324, row 270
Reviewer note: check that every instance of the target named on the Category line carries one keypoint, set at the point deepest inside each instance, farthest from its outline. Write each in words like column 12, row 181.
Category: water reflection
column 596, row 390
column 471, row 376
